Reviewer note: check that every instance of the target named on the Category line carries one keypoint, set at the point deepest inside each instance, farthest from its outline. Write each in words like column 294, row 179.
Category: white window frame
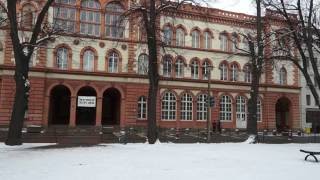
column 143, row 63
column 88, row 60
column 283, row 76
column 225, row 108
column 113, row 62
column 180, row 37
column 247, row 74
column 167, row 35
column 207, row 40
column 142, row 108
column 223, row 42
column 64, row 16
column 90, row 18
column 179, row 68
column 241, row 108
column 202, row 107
column 194, row 69
column 168, row 107
column 223, row 72
column 114, row 28
column 205, row 69
column 195, row 39
column 259, row 110
column 186, row 111
column 62, row 58
column 234, row 73
column 167, row 67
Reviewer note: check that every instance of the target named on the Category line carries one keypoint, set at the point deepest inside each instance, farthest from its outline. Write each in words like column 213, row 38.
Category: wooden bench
column 310, row 153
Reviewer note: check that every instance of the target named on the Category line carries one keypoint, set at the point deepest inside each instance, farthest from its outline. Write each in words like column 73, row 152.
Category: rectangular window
column 308, row 99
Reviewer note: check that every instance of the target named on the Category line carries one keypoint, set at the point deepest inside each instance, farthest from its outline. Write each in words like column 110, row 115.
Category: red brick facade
column 131, row 86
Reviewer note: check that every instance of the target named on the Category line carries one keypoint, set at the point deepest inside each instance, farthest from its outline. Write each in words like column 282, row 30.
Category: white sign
column 86, row 101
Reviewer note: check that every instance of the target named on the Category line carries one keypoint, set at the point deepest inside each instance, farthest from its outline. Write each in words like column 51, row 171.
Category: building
column 96, row 58
column 309, row 109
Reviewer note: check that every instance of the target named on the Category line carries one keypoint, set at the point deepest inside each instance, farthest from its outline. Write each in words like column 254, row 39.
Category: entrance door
column 59, row 111
column 111, row 107
column 241, row 120
column 86, row 115
column 283, row 114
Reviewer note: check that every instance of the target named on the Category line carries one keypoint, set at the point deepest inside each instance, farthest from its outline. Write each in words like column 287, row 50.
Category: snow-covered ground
column 234, row 161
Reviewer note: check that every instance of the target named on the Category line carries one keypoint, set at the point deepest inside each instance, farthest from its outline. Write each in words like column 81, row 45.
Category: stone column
column 99, row 111
column 73, row 111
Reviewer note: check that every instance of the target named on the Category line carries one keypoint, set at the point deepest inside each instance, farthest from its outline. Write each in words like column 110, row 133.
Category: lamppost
column 209, row 103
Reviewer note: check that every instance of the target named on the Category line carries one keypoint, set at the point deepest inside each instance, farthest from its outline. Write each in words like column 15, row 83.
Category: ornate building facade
column 95, row 57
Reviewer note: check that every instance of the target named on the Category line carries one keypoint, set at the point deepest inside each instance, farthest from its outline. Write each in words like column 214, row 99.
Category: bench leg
column 315, row 158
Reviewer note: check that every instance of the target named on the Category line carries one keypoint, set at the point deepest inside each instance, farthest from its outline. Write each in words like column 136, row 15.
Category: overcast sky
column 241, row 6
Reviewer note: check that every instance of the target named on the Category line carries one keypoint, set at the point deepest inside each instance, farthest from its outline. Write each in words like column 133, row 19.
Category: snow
column 161, row 161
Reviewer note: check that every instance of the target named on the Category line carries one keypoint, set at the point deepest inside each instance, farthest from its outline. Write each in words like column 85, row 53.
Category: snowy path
column 232, row 161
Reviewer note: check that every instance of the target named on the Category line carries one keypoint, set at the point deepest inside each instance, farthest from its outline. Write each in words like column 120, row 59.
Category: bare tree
column 40, row 33
column 302, row 31
column 149, row 12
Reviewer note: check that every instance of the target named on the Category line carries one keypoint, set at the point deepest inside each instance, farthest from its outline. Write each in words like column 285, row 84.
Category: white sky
column 241, row 6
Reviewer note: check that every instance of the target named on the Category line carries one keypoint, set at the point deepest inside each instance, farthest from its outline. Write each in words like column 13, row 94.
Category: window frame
column 86, row 55
column 168, row 107
column 86, row 22
column 202, row 107
column 225, row 113
column 114, row 10
column 142, row 108
column 186, row 108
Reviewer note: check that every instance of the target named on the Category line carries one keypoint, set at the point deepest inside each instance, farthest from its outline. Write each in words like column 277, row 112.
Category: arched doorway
column 111, row 107
column 283, row 114
column 86, row 113
column 59, row 111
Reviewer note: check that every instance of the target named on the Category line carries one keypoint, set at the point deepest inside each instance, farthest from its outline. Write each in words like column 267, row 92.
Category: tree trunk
column 20, row 102
column 151, row 28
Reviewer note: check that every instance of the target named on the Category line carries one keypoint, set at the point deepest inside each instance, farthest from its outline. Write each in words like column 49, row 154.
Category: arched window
column 195, row 39
column 64, row 15
column 142, row 107
column 202, row 107
column 259, row 110
column 247, row 73
column 186, row 107
column 235, row 43
column 207, row 40
column 283, row 76
column 114, row 25
column 179, row 68
column 167, row 35
column 167, row 66
column 194, row 69
column 206, row 68
column 225, row 108
column 113, row 62
column 90, row 17
column 28, row 16
column 180, row 37
column 234, row 72
column 168, row 106
column 223, row 42
column 241, row 108
column 62, row 58
column 143, row 64
column 223, row 72
column 88, row 60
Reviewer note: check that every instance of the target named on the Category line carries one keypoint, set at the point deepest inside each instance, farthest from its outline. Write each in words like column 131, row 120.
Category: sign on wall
column 86, row 101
